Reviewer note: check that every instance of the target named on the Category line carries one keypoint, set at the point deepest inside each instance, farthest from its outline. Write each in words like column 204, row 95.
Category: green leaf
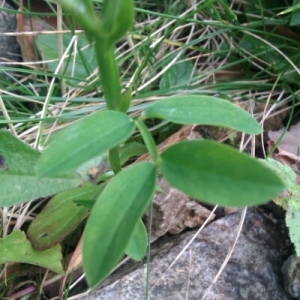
column 84, row 140
column 78, row 66
column 204, row 110
column 285, row 172
column 218, row 174
column 276, row 62
column 295, row 19
column 60, row 217
column 114, row 217
column 85, row 203
column 289, row 199
column 126, row 100
column 138, row 243
column 19, row 182
column 16, row 248
column 288, row 177
column 292, row 220
column 260, row 49
column 84, row 13
column 89, row 203
column 295, row 7
column 178, row 75
column 130, row 150
column 260, row 11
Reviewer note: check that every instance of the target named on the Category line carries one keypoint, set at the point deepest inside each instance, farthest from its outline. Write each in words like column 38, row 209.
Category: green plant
column 288, row 199
column 203, row 169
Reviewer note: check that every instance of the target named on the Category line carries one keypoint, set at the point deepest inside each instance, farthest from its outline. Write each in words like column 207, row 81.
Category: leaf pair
column 202, row 169
column 102, row 131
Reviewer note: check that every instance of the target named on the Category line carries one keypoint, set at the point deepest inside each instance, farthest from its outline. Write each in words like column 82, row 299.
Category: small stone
column 291, row 276
column 9, row 47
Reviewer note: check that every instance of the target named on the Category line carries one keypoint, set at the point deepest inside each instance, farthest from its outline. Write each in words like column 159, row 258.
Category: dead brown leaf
column 287, row 150
column 30, row 23
column 31, row 26
column 173, row 211
column 289, row 144
column 284, row 31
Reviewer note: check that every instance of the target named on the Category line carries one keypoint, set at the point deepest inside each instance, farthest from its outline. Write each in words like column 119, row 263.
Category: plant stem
column 109, row 73
column 111, row 85
column 148, row 139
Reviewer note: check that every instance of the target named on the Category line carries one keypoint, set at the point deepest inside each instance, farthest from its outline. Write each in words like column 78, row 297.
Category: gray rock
column 9, row 47
column 251, row 273
column 291, row 276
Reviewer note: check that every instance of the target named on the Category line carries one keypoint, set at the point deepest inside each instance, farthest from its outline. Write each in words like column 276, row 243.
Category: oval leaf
column 16, row 248
column 204, row 110
column 18, row 179
column 84, row 140
column 219, row 174
column 83, row 62
column 84, row 13
column 114, row 218
column 178, row 75
column 138, row 243
column 60, row 217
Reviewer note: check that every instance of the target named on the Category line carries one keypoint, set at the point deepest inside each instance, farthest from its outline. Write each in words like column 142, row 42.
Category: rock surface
column 291, row 276
column 253, row 271
column 9, row 47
